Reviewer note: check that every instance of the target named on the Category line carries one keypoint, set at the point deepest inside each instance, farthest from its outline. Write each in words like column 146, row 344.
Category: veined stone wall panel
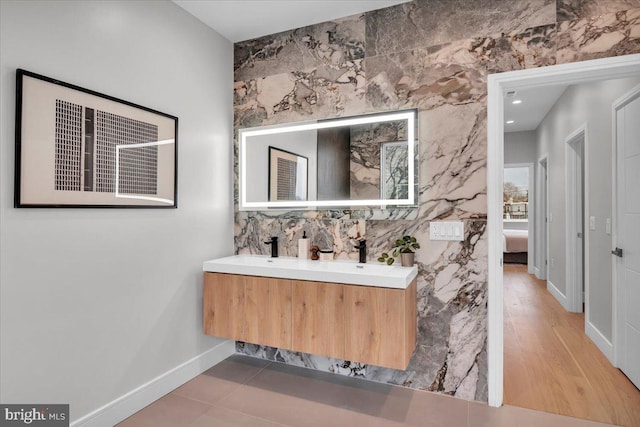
column 435, row 56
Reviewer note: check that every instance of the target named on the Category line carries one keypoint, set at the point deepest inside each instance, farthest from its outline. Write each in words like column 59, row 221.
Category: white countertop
column 338, row 271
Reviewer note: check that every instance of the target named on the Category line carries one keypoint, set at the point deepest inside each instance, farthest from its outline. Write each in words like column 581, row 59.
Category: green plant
column 408, row 244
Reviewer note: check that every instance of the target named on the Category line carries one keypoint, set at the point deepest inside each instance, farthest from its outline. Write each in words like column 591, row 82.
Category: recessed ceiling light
column 517, row 101
column 510, row 122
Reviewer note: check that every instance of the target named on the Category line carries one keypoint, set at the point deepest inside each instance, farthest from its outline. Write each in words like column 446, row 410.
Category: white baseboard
column 133, row 401
column 539, row 273
column 562, row 299
column 603, row 344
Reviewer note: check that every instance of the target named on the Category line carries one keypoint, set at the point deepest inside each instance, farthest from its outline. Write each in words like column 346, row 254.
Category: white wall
column 590, row 103
column 520, row 147
column 96, row 302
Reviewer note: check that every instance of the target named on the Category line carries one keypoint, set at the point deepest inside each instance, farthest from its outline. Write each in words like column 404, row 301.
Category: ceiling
column 535, row 105
column 239, row 20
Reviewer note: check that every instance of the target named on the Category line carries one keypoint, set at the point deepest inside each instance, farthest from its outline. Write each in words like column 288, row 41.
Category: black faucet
column 362, row 251
column 274, row 246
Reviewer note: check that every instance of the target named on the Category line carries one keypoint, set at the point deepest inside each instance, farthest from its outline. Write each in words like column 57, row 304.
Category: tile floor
column 244, row 391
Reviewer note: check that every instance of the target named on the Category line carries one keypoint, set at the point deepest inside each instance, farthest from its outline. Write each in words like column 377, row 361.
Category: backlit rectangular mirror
column 348, row 162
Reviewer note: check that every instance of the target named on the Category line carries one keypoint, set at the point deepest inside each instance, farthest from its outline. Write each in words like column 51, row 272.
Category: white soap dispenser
column 303, row 246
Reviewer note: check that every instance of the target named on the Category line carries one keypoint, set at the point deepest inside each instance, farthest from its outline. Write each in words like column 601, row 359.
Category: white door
column 627, row 239
column 574, row 205
column 579, row 224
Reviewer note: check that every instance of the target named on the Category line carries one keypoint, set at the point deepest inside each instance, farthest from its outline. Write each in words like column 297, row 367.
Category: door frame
column 618, row 296
column 542, row 226
column 572, row 274
column 497, row 85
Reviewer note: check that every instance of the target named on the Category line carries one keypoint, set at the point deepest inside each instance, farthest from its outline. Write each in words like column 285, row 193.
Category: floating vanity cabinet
column 267, row 311
column 223, row 297
column 380, row 325
column 361, row 313
column 247, row 308
column 318, row 318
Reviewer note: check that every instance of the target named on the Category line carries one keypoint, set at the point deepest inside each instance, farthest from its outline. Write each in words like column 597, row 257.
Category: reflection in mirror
column 347, row 162
column 394, row 178
column 367, row 159
column 287, row 175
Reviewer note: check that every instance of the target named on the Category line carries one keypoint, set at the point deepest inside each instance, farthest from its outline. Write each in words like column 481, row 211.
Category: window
column 515, row 195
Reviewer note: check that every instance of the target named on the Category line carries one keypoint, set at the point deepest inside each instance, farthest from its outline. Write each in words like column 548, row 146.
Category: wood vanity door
column 318, row 318
column 380, row 325
column 267, row 311
column 223, row 304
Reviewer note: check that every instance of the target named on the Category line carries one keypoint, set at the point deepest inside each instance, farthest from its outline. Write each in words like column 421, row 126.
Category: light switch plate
column 446, row 230
column 592, row 223
column 608, row 226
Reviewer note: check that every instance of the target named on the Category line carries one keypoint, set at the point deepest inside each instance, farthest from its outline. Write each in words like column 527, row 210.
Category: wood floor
column 551, row 365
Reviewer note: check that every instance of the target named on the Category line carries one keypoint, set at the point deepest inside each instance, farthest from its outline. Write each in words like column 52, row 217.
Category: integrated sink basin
column 339, row 271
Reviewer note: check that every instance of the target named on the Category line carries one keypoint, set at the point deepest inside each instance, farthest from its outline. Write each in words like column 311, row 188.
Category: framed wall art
column 79, row 148
column 288, row 175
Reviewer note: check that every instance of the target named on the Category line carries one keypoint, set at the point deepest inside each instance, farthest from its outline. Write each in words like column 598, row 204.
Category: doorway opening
column 582, row 72
column 518, row 214
column 556, row 356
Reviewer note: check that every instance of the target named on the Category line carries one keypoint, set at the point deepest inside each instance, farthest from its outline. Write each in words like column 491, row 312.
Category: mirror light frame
column 243, row 134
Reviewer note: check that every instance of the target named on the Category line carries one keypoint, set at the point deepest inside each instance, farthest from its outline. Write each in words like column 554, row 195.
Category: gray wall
column 520, row 147
column 510, row 225
column 96, row 302
column 590, row 103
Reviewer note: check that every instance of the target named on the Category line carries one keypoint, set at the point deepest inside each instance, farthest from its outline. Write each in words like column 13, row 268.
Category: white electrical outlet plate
column 446, row 230
column 592, row 223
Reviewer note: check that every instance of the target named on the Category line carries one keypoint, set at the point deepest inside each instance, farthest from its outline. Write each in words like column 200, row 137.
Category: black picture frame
column 78, row 148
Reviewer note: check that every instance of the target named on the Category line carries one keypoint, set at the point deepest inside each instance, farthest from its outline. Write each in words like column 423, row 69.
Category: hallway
column 551, row 365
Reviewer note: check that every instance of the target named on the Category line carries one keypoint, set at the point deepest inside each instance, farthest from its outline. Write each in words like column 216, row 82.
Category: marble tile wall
column 433, row 55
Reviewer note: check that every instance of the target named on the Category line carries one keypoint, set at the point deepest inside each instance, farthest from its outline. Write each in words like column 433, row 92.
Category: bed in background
column 515, row 247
